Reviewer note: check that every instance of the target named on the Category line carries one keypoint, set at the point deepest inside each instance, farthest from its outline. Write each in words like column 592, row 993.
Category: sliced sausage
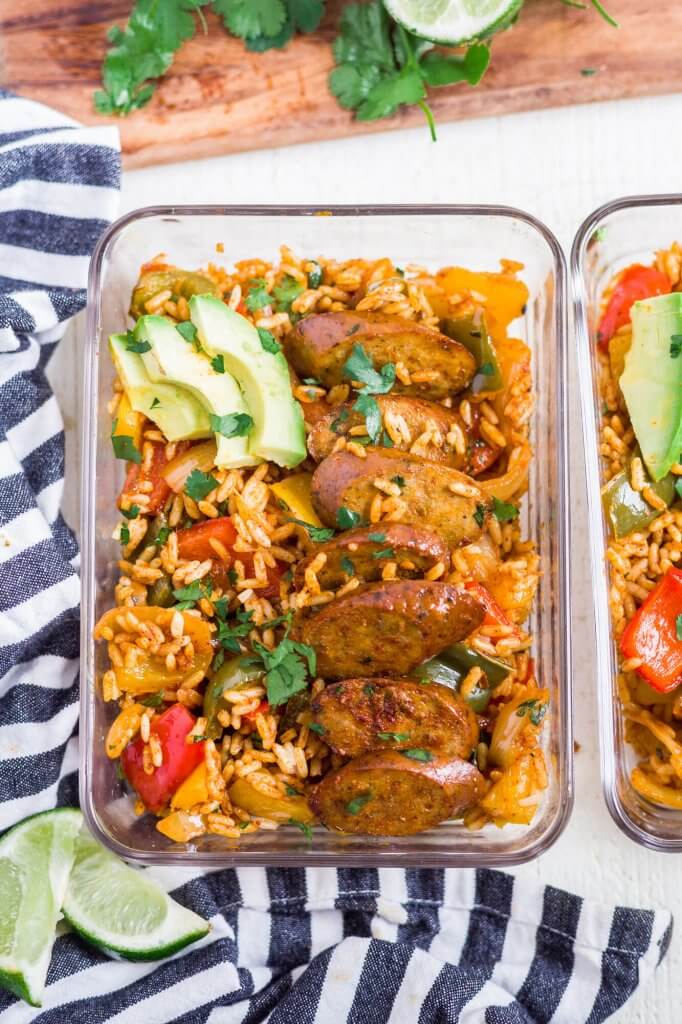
column 321, row 343
column 422, row 419
column 389, row 794
column 427, row 492
column 364, row 552
column 387, row 627
column 358, row 715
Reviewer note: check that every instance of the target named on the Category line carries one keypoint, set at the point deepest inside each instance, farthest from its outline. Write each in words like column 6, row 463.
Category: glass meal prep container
column 434, row 236
column 626, row 231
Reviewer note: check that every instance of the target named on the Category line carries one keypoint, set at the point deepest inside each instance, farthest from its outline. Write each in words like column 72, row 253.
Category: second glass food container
column 622, row 232
column 431, row 236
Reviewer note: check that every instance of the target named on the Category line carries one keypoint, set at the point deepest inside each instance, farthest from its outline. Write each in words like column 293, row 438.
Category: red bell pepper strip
column 137, row 475
column 494, row 615
column 195, row 543
column 179, row 758
column 652, row 634
column 262, row 709
column 637, row 282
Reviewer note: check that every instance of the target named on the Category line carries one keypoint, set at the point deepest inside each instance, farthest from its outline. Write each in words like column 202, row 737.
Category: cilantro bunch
column 381, row 66
column 143, row 51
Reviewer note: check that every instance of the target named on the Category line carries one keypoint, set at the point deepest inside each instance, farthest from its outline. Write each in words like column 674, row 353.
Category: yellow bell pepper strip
column 180, row 826
column 654, row 634
column 260, row 805
column 505, row 295
column 512, row 483
column 654, row 791
column 194, row 790
column 126, row 433
column 295, row 493
column 150, row 673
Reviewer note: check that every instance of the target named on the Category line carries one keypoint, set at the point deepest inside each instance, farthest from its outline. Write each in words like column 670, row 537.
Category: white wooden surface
column 559, row 165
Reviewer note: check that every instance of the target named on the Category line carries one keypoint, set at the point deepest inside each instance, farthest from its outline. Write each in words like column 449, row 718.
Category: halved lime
column 35, row 859
column 452, row 22
column 123, row 911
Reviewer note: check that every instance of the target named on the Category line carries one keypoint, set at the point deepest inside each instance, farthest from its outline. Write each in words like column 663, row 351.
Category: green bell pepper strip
column 232, row 675
column 473, row 334
column 452, row 666
column 625, row 508
column 160, row 593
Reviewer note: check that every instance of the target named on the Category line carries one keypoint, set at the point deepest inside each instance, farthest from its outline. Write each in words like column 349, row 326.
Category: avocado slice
column 173, row 360
column 651, row 382
column 174, row 410
column 278, row 434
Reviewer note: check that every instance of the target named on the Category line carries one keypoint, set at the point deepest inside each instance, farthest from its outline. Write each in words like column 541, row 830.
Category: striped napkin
column 294, row 946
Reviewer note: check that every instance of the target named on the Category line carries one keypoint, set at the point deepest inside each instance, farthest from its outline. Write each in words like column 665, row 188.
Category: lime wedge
column 122, row 910
column 35, row 860
column 452, row 22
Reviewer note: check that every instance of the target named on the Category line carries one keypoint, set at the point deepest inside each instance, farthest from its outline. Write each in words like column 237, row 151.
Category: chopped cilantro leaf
column 187, row 330
column 480, row 514
column 287, row 667
column 487, row 369
column 218, row 364
column 132, row 512
column 188, row 596
column 133, row 345
column 535, row 710
column 124, row 534
column 124, row 446
column 316, row 727
column 287, row 291
column 258, row 295
column 504, row 511
column 399, row 480
column 417, row 754
column 359, row 367
column 315, row 276
column 290, row 791
column 395, row 737
column 228, row 636
column 378, row 538
column 155, row 404
column 340, row 419
column 303, row 827
column 346, row 518
column 162, row 536
column 234, row 424
column 357, row 803
column 347, row 566
column 385, row 553
column 368, row 690
column 199, row 484
column 154, row 700
column 366, row 405
column 317, row 534
column 268, row 341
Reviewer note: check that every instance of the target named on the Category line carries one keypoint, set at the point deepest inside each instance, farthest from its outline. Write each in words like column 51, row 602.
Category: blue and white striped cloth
column 317, row 946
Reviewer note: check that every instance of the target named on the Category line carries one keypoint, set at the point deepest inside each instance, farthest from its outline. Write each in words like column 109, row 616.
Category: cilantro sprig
column 141, row 52
column 359, row 367
column 287, row 668
column 381, row 67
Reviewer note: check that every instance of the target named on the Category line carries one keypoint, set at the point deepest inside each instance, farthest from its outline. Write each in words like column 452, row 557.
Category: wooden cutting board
column 218, row 98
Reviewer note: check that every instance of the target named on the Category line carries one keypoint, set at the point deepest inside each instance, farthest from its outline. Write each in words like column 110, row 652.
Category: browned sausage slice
column 321, row 343
column 358, row 715
column 427, row 492
column 387, row 627
column 422, row 428
column 389, row 794
column 364, row 552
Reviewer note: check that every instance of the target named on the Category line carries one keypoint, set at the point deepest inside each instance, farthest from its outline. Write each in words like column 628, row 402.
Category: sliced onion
column 514, row 481
column 199, row 456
